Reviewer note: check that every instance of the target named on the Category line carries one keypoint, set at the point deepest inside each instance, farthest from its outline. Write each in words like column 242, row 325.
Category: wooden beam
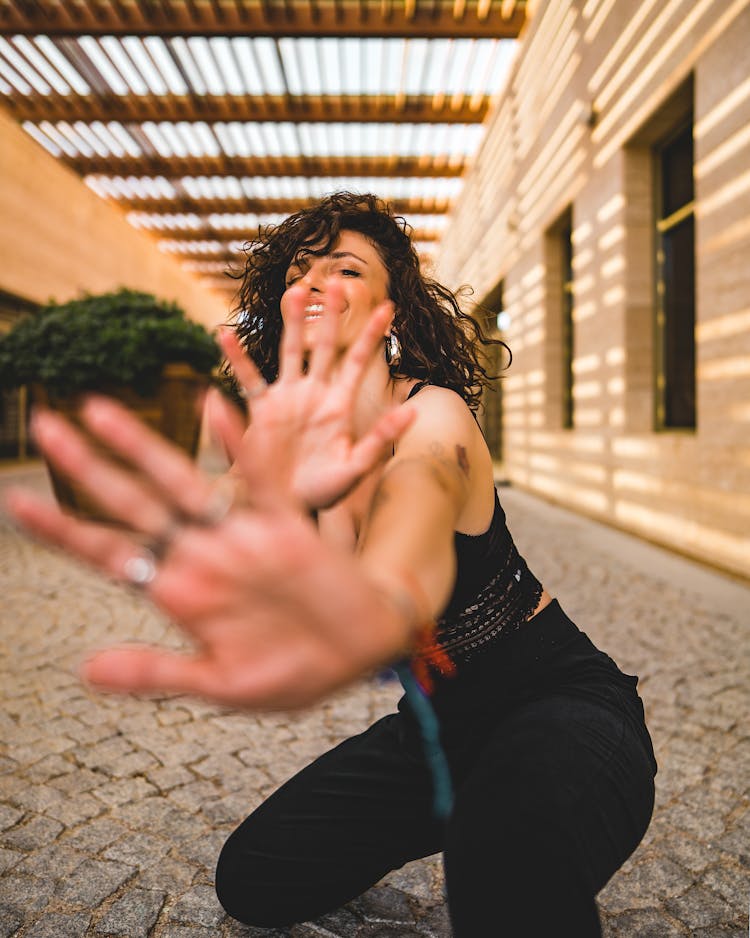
column 212, row 108
column 227, row 18
column 175, row 168
column 282, row 206
column 225, row 236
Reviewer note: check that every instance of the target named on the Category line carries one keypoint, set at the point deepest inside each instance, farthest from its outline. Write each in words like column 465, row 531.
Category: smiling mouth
column 313, row 311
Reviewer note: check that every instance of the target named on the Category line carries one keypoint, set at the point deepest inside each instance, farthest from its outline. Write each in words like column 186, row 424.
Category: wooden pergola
column 121, row 90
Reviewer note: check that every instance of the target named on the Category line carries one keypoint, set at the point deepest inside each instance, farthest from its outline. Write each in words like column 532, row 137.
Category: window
column 494, row 325
column 675, row 281
column 567, row 300
column 559, row 346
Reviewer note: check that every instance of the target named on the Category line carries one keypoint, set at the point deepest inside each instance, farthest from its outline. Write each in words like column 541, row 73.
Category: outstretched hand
column 277, row 618
column 300, row 440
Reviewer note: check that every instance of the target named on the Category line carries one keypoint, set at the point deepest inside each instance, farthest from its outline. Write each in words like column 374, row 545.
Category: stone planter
column 174, row 410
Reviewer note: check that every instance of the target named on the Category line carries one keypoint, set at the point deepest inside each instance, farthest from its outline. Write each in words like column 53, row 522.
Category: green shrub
column 99, row 342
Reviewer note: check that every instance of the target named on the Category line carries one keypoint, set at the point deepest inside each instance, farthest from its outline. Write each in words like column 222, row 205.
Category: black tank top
column 495, row 592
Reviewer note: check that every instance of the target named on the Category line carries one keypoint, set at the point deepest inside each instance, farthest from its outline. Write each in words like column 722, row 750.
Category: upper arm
column 413, row 514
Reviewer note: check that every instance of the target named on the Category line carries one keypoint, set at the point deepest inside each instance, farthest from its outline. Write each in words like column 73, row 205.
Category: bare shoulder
column 442, row 411
column 446, row 433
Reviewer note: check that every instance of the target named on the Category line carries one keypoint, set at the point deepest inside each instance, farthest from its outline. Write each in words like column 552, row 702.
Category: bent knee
column 255, row 890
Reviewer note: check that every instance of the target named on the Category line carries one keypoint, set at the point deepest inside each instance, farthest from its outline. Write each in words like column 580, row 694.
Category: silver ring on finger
column 140, row 569
column 158, row 546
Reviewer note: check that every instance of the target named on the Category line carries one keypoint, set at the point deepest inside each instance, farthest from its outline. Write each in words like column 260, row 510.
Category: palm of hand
column 300, row 443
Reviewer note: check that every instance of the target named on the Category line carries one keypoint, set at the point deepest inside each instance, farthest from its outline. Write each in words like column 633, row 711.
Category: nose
column 314, row 277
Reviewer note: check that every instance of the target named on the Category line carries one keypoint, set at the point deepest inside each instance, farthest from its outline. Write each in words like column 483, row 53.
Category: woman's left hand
column 277, row 618
column 299, row 442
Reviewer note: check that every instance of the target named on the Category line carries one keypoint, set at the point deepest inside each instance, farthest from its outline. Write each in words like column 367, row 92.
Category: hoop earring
column 392, row 350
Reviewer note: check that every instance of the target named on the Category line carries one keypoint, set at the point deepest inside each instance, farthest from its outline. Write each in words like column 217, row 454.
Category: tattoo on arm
column 463, row 460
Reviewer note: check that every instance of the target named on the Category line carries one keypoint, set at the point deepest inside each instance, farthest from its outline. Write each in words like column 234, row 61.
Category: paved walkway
column 112, row 811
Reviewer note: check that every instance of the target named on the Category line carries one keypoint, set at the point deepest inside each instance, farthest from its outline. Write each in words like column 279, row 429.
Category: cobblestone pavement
column 112, row 810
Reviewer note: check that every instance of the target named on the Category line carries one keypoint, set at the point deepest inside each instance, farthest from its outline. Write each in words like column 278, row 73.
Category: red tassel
column 428, row 655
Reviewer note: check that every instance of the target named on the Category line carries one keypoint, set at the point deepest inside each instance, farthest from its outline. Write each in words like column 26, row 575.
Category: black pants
column 553, row 770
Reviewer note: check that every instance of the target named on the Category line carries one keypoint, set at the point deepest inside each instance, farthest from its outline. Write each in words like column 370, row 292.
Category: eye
column 349, row 272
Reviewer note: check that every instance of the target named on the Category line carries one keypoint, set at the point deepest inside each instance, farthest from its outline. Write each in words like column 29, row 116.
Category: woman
column 367, row 423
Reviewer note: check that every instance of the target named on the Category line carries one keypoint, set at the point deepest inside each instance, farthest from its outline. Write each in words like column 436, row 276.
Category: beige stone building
column 608, row 215
column 58, row 239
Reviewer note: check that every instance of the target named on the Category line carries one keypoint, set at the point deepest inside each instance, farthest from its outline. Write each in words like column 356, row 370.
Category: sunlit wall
column 58, row 239
column 598, row 86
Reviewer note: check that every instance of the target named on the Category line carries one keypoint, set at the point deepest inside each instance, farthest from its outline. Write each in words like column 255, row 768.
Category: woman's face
column 354, row 277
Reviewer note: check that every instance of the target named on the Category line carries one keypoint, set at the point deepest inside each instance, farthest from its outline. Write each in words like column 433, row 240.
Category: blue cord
column 442, row 787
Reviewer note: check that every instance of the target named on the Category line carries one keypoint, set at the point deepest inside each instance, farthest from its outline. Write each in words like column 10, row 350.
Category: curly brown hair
column 439, row 342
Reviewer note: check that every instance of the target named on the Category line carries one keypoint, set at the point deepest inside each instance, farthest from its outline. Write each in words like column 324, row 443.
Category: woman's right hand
column 299, row 440
column 276, row 617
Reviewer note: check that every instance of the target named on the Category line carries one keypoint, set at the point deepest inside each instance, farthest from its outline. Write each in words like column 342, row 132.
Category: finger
column 165, row 466
column 359, row 355
column 147, row 670
column 116, row 490
column 244, row 369
column 225, row 424
column 326, row 334
column 389, row 428
column 291, row 346
column 104, row 548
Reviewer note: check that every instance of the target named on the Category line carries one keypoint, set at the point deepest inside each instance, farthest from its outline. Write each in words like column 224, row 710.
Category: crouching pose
column 364, row 528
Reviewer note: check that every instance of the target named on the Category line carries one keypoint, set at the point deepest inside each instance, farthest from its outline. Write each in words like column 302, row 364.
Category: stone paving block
column 8, row 859
column 728, row 882
column 233, row 929
column 81, row 780
column 25, row 894
column 384, row 904
column 72, row 811
column 422, row 879
column 7, row 765
column 199, row 906
column 203, row 850
column 193, row 795
column 647, row 923
column 719, row 932
column 165, row 778
column 133, row 915
column 340, row 922
column 34, row 833
column 104, row 756
column 736, row 842
column 169, row 874
column 59, row 925
column 187, row 931
column 700, row 907
column 96, row 835
column 37, row 798
column 10, row 921
column 138, row 850
column 9, row 816
column 691, row 854
column 93, row 881
column 124, row 791
column 51, row 862
column 48, row 768
column 170, row 715
column 231, row 809
column 436, row 923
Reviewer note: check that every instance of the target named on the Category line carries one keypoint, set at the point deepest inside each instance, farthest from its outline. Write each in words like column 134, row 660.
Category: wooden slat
column 223, row 17
column 207, row 206
column 245, row 234
column 177, row 167
column 210, row 108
